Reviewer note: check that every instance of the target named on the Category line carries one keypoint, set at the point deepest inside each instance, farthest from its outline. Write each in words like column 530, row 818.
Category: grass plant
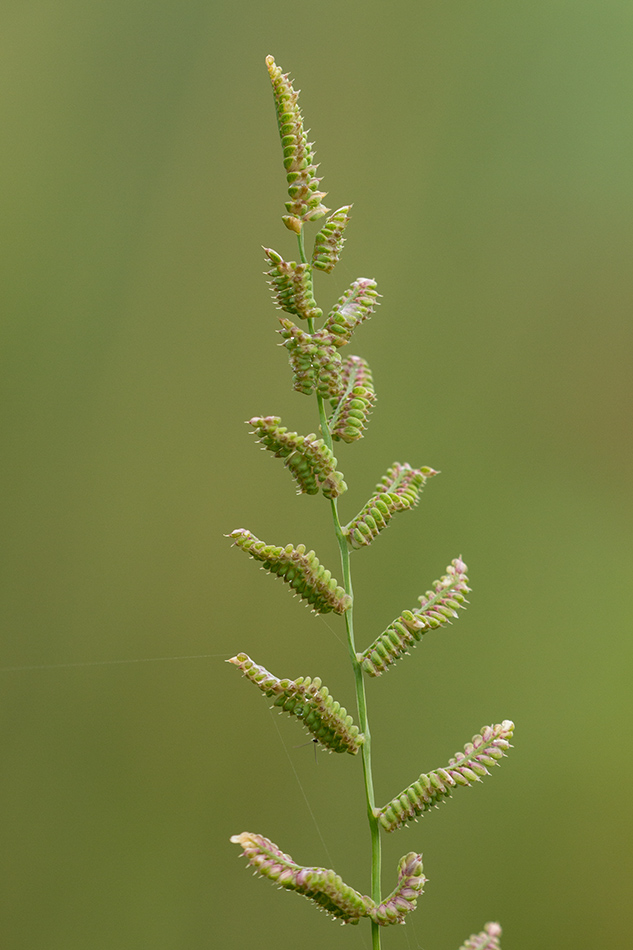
column 343, row 389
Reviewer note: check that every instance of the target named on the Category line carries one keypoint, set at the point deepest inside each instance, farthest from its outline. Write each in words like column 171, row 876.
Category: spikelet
column 329, row 242
column 315, row 361
column 398, row 490
column 351, row 410
column 291, row 286
column 303, row 185
column 308, row 458
column 488, row 939
column 307, row 699
column 355, row 306
column 432, row 788
column 320, row 885
column 437, row 606
column 402, row 900
column 302, row 571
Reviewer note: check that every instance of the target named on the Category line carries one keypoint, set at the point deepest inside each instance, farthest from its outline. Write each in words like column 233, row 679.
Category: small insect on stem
column 315, row 743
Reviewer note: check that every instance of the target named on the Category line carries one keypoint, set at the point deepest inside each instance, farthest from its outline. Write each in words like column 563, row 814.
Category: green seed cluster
column 307, row 699
column 308, row 458
column 466, row 767
column 329, row 242
column 314, row 360
column 351, row 411
column 437, row 607
column 355, row 306
column 326, row 888
column 291, row 286
column 320, row 885
column 298, row 156
column 398, row 490
column 301, row 570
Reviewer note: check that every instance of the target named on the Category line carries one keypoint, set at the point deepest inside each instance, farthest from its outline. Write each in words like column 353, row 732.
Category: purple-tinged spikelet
column 301, row 570
column 320, row 885
column 356, row 372
column 437, row 606
column 432, row 788
column 307, row 699
column 303, row 185
column 355, row 306
column 329, row 242
column 402, row 900
column 352, row 409
column 308, row 458
column 488, row 939
column 398, row 490
column 291, row 286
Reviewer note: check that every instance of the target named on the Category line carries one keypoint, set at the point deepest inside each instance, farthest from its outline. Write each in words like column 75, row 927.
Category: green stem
column 361, row 699
column 359, row 682
column 302, row 253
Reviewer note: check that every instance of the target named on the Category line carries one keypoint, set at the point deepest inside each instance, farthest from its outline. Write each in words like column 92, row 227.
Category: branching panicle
column 437, row 607
column 434, row 787
column 346, row 384
column 301, row 570
column 308, row 458
column 307, row 699
column 398, row 490
column 320, row 885
column 488, row 939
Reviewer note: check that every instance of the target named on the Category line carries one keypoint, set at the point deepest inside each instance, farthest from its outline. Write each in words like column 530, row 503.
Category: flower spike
column 305, row 198
column 432, row 788
column 308, row 458
column 402, row 900
column 488, row 939
column 307, row 699
column 437, row 607
column 302, row 571
column 353, row 308
column 320, row 885
column 329, row 242
column 398, row 490
column 351, row 410
column 291, row 285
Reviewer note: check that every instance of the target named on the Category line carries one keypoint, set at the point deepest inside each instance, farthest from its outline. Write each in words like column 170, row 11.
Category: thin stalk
column 302, row 253
column 359, row 682
column 361, row 699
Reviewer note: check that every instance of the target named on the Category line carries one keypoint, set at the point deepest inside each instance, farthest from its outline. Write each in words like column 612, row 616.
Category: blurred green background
column 486, row 146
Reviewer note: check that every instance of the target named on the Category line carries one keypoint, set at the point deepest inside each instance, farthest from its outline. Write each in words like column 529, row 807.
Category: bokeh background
column 486, row 146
